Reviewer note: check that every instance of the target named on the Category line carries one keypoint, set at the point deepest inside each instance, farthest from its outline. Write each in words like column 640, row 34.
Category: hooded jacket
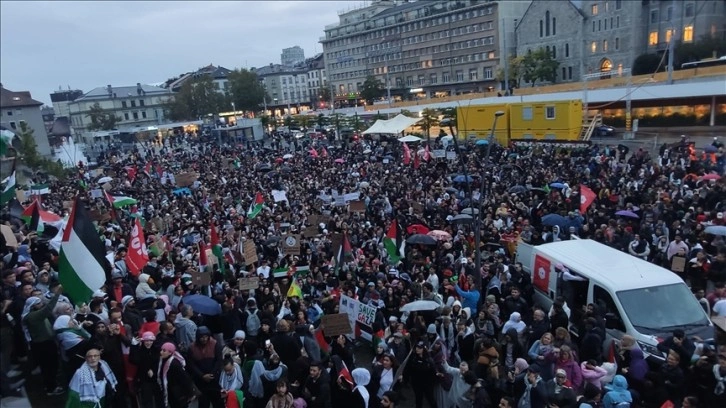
column 204, row 359
column 143, row 290
column 617, row 393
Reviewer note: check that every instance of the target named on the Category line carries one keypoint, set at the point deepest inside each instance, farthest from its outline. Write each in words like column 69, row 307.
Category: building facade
column 420, row 49
column 685, row 20
column 60, row 100
column 292, row 56
column 317, row 82
column 19, row 107
column 217, row 73
column 135, row 106
column 286, row 87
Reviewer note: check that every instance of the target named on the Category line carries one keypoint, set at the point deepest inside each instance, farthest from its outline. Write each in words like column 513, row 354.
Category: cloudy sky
column 89, row 44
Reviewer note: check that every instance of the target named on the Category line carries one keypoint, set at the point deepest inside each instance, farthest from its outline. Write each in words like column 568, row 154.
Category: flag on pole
column 82, row 267
column 313, row 153
column 587, row 197
column 45, row 216
column 427, row 154
column 39, row 189
column 9, row 191
column 217, row 247
column 324, row 153
column 255, row 206
column 137, row 255
column 119, row 201
column 203, row 262
column 393, row 242
column 416, row 161
column 344, row 252
column 406, row 154
column 36, row 223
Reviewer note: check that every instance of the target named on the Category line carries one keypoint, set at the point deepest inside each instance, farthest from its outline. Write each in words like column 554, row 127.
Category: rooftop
column 16, row 99
column 108, row 91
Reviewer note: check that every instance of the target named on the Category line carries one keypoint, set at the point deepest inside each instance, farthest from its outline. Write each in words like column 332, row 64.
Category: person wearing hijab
column 617, row 393
column 39, row 334
column 361, row 397
column 205, row 363
column 260, row 374
column 72, row 339
column 92, row 383
column 514, row 322
column 177, row 389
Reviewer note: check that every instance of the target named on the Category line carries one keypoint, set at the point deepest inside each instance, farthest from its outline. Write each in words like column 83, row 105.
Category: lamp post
column 476, row 213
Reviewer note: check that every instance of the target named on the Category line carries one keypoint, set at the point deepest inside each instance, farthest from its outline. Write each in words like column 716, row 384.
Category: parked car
column 605, row 131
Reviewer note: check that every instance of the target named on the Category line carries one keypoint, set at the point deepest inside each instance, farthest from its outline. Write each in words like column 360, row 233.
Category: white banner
column 279, row 195
column 357, row 311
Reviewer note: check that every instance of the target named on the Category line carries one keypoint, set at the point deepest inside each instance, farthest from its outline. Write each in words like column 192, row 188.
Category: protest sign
column 336, row 324
column 250, row 252
column 251, row 283
column 357, row 206
column 291, row 245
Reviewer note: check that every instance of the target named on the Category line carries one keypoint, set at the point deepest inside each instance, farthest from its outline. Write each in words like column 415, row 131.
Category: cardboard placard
column 97, row 215
column 416, row 206
column 250, row 252
column 678, row 263
column 106, row 186
column 438, row 153
column 310, row 231
column 96, row 193
column 291, row 244
column 336, row 324
column 248, row 283
column 201, row 278
column 357, row 206
column 10, row 239
column 186, row 179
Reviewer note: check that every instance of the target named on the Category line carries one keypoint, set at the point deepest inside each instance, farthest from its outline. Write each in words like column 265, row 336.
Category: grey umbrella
column 518, row 189
column 421, row 239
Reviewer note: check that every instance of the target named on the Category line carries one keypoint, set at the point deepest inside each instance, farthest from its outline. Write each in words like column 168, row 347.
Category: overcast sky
column 86, row 44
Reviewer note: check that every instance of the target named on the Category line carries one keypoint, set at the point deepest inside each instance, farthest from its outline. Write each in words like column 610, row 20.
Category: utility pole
column 388, row 87
column 506, row 59
column 672, row 41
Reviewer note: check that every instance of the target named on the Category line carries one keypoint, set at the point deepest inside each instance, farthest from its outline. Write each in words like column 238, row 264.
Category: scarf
column 258, row 371
column 29, row 304
column 164, row 370
column 231, row 382
column 362, row 377
column 720, row 380
column 90, row 389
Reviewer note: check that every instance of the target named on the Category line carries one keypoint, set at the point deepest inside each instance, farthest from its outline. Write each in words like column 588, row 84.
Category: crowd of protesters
column 139, row 342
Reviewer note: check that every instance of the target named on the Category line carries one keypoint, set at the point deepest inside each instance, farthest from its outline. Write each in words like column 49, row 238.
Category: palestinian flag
column 344, row 252
column 43, row 216
column 234, row 399
column 119, row 201
column 82, row 265
column 281, row 273
column 217, row 247
column 35, row 223
column 203, row 262
column 320, row 339
column 39, row 189
column 345, row 373
column 377, row 339
column 8, row 193
column 256, row 206
column 394, row 242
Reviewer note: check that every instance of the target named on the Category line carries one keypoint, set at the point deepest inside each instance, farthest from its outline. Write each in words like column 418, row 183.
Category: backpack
column 253, row 323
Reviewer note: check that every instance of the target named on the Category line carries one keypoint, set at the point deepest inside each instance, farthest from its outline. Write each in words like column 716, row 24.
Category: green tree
column 539, row 66
column 287, row 121
column 406, row 112
column 320, row 120
column 28, row 149
column 304, row 120
column 706, row 47
column 246, row 90
column 372, row 89
column 448, row 119
column 429, row 119
column 515, row 72
column 324, row 94
column 195, row 99
column 646, row 64
column 100, row 119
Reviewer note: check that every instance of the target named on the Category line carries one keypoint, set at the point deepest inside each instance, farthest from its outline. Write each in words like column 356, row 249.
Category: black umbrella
column 421, row 239
column 286, row 169
column 263, row 167
column 272, row 174
column 272, row 240
column 451, row 190
column 463, row 219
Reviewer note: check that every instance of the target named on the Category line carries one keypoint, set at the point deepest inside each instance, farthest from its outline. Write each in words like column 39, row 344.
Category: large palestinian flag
column 82, row 264
column 394, row 242
column 255, row 206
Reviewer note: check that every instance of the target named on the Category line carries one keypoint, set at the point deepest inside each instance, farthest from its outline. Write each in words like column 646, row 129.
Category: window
column 473, row 74
column 554, row 26
column 526, row 113
column 143, row 114
column 605, row 302
column 547, row 23
column 136, row 115
column 541, row 28
column 141, row 101
column 599, row 25
column 593, row 47
column 10, row 113
column 618, row 4
column 593, row 26
column 554, row 52
column 133, row 103
column 617, row 21
column 653, row 38
column 123, row 104
column 653, row 16
column 459, row 76
column 567, row 50
column 617, row 43
column 605, row 45
column 549, row 112
column 669, row 34
column 669, row 13
column 569, row 72
column 433, row 78
column 688, row 33
column 13, row 126
column 689, row 10
column 593, row 9
column 409, row 81
column 421, row 80
column 126, row 116
column 488, row 73
column 445, row 77
column 669, row 314
column 564, row 73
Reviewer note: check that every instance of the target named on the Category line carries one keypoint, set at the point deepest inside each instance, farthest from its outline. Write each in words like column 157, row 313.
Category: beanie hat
column 431, row 329
column 126, row 300
column 239, row 334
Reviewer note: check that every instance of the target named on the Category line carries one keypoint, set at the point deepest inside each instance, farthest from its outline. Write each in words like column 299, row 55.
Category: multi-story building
column 317, row 81
column 286, row 87
column 19, row 107
column 683, row 20
column 217, row 73
column 61, row 99
column 292, row 56
column 420, row 48
column 134, row 106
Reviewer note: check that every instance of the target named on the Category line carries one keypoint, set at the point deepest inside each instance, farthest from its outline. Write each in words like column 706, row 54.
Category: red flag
column 587, row 196
column 406, row 154
column 416, row 160
column 427, row 154
column 131, row 172
column 202, row 256
column 345, row 374
column 159, row 170
column 324, row 152
column 137, row 256
column 313, row 153
column 147, row 168
column 611, row 352
column 213, row 236
column 320, row 338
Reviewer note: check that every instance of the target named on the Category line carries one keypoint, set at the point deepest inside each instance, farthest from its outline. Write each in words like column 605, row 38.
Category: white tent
column 392, row 126
column 410, row 138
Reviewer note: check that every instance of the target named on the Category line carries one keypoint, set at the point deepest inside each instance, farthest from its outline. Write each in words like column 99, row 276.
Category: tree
column 406, row 112
column 515, row 72
column 429, row 119
column 195, row 99
column 372, row 89
column 325, row 94
column 28, row 149
column 706, row 47
column 449, row 116
column 304, row 120
column 100, row 119
column 321, row 120
column 246, row 91
column 539, row 66
column 646, row 64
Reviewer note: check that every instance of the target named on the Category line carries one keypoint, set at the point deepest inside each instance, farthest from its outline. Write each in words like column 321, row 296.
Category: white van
column 636, row 297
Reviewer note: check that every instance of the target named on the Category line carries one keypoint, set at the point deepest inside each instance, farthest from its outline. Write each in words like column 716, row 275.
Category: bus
column 708, row 62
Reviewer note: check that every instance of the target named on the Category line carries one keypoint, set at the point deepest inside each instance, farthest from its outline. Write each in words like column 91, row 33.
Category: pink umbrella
column 711, row 176
column 339, row 161
column 440, row 235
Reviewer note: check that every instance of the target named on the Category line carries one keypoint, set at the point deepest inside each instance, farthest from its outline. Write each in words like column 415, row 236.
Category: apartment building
column 317, row 81
column 287, row 87
column 683, row 20
column 217, row 73
column 19, row 107
column 420, row 49
column 292, row 56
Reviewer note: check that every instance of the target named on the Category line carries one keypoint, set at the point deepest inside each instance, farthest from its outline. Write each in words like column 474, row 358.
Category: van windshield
column 662, row 308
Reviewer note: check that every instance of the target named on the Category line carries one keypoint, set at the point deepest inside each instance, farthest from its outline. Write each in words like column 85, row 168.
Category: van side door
column 608, row 310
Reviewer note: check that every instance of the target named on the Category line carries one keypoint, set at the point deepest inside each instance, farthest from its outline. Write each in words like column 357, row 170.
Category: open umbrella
column 279, row 160
column 626, row 213
column 451, row 190
column 557, row 185
column 420, row 239
column 463, row 179
column 203, row 304
column 518, row 189
column 263, row 167
column 554, row 219
column 287, row 156
column 716, row 230
column 339, row 161
column 388, row 157
column 710, row 149
column 711, row 176
column 364, row 184
column 482, row 142
column 462, row 219
column 439, row 235
column 367, row 151
column 410, row 139
column 272, row 240
column 417, row 229
column 470, row 211
column 420, row 305
column 104, row 180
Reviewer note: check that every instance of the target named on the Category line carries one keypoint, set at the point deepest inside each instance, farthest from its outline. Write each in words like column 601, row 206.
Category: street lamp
column 476, row 214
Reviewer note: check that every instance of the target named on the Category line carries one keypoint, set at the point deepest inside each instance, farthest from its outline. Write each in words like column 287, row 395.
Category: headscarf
column 514, row 322
column 163, row 369
column 258, row 370
column 68, row 336
column 362, row 377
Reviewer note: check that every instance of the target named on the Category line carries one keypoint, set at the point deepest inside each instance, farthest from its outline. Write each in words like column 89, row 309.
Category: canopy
column 410, row 138
column 393, row 126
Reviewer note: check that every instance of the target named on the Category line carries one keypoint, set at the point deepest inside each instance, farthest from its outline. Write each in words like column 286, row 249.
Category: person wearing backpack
column 251, row 319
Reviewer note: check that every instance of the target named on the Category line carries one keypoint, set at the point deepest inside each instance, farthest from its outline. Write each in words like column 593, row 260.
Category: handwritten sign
column 201, row 278
column 366, row 314
column 186, row 179
column 357, row 206
column 351, row 197
column 250, row 252
column 10, row 239
column 251, row 283
column 451, row 155
column 310, row 231
column 336, row 324
column 438, row 153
